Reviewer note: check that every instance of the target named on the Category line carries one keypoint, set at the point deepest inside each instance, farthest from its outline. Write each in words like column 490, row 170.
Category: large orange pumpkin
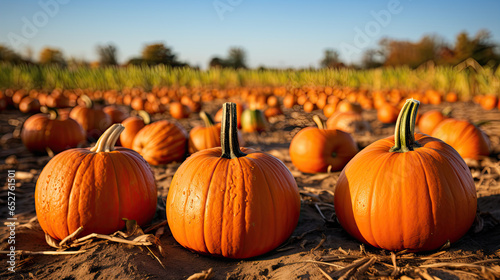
column 410, row 191
column 94, row 121
column 230, row 202
column 161, row 142
column 314, row 150
column 95, row 188
column 469, row 140
column 51, row 131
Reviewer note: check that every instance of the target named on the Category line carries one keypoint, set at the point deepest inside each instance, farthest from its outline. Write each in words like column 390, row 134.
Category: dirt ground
column 318, row 249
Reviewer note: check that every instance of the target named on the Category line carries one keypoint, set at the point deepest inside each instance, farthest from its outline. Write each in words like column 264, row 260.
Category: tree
column 216, row 62
column 52, row 56
column 158, row 54
column 331, row 59
column 107, row 55
column 236, row 58
column 372, row 59
column 8, row 55
column 479, row 48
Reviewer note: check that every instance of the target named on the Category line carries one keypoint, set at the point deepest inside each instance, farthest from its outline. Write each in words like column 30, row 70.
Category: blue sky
column 276, row 34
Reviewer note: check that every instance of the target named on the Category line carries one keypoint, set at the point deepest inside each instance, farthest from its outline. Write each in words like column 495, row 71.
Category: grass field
column 464, row 79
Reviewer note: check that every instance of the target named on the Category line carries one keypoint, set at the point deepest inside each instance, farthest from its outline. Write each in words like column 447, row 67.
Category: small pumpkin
column 29, row 105
column 430, row 119
column 315, row 150
column 94, row 121
column 232, row 202
column 201, row 138
column 398, row 194
column 179, row 110
column 469, row 140
column 161, row 142
column 387, row 113
column 132, row 126
column 253, row 120
column 95, row 188
column 41, row 132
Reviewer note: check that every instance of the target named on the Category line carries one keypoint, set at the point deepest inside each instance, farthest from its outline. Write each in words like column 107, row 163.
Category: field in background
column 466, row 79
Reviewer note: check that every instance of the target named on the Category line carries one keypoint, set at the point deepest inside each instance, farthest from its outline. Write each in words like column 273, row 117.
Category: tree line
column 390, row 52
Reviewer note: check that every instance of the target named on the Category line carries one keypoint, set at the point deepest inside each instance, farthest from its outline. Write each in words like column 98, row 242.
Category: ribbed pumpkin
column 230, row 202
column 132, row 126
column 42, row 131
column 161, row 142
column 469, row 140
column 410, row 191
column 95, row 188
column 314, row 150
column 94, row 121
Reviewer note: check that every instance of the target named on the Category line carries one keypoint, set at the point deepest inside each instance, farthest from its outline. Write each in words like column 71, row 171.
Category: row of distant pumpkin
column 407, row 192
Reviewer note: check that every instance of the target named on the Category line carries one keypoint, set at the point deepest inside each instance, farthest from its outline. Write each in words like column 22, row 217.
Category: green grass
column 466, row 82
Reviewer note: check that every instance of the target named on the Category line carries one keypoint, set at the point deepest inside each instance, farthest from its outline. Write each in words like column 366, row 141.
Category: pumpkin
column 350, row 122
column 95, row 188
column 232, row 202
column 179, row 110
column 42, row 131
column 489, row 102
column 289, row 101
column 347, row 106
column 272, row 112
column 94, row 121
column 469, row 140
column 315, row 150
column 161, row 142
column 253, row 120
column 206, row 137
column 451, row 97
column 116, row 115
column 409, row 191
column 387, row 113
column 29, row 105
column 132, row 126
column 430, row 119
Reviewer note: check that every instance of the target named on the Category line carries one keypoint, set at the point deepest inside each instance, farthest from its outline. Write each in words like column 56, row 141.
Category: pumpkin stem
column 54, row 115
column 207, row 119
column 404, row 135
column 318, row 122
column 107, row 141
column 229, row 132
column 87, row 101
column 145, row 116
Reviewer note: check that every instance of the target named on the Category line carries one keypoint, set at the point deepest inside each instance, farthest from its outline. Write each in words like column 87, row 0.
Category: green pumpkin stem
column 404, row 135
column 229, row 132
column 318, row 122
column 207, row 119
column 107, row 141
